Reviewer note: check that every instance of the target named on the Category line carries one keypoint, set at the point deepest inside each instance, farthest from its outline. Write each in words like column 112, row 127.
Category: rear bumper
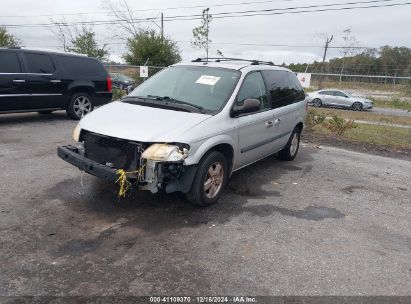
column 71, row 155
column 101, row 98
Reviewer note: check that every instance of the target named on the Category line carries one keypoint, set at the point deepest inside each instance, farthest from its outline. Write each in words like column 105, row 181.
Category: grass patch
column 393, row 103
column 393, row 137
column 367, row 116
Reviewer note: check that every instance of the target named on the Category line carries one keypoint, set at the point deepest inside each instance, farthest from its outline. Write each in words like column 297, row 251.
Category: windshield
column 205, row 87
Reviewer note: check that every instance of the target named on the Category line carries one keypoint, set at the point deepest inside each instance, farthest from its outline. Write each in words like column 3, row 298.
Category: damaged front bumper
column 157, row 176
column 72, row 155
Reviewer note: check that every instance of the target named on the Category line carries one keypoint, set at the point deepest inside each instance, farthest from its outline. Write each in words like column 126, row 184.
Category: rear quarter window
column 280, row 87
column 297, row 88
column 9, row 62
column 39, row 63
column 79, row 66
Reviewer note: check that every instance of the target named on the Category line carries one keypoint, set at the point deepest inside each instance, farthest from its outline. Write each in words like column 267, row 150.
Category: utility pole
column 207, row 29
column 327, row 42
column 162, row 28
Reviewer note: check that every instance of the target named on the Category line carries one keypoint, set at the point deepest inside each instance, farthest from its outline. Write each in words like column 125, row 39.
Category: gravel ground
column 332, row 222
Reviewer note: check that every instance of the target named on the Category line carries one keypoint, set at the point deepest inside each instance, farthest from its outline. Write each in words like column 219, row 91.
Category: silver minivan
column 190, row 126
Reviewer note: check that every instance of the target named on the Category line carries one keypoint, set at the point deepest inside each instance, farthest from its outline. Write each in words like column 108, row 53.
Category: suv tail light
column 109, row 84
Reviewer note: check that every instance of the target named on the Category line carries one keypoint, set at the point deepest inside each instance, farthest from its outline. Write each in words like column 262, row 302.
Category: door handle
column 55, row 80
column 277, row 121
column 269, row 124
column 19, row 80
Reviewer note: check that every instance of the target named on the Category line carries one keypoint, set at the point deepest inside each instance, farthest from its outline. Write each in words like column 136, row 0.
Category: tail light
column 109, row 84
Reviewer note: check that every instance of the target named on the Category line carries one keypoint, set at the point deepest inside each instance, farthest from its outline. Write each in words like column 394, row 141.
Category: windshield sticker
column 208, row 80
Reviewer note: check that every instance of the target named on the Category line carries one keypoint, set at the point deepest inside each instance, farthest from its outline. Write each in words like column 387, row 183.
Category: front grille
column 113, row 152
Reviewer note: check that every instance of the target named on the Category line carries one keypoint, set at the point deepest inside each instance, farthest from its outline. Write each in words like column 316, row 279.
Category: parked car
column 190, row 126
column 337, row 98
column 122, row 82
column 45, row 81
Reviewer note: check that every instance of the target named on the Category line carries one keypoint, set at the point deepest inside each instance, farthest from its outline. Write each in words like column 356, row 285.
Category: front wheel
column 210, row 180
column 80, row 105
column 289, row 152
column 317, row 103
column 357, row 106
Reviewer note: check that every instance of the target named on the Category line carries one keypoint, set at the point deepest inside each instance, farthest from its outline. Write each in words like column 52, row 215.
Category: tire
column 45, row 112
column 289, row 152
column 200, row 196
column 357, row 106
column 80, row 105
column 317, row 103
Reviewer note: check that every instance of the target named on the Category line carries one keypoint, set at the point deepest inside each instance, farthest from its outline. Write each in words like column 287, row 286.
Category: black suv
column 43, row 81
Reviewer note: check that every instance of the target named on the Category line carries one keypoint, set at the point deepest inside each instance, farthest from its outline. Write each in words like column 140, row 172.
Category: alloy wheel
column 294, row 144
column 214, row 180
column 82, row 106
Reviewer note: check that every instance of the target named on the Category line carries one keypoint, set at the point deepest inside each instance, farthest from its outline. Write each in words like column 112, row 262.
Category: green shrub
column 407, row 88
column 118, row 94
column 338, row 125
column 314, row 118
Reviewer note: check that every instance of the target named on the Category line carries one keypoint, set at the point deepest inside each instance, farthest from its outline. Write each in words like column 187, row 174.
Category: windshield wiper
column 173, row 100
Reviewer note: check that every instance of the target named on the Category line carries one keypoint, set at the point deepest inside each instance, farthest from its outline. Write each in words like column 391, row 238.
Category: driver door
column 255, row 129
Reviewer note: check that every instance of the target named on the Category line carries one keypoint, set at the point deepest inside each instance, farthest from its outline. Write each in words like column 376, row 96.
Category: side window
column 281, row 91
column 340, row 94
column 253, row 87
column 82, row 66
column 39, row 63
column 329, row 93
column 298, row 90
column 9, row 62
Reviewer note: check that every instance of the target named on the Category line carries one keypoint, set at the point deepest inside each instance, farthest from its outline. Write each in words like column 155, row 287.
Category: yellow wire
column 123, row 181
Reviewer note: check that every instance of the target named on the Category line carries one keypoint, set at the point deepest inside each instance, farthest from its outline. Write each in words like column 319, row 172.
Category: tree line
column 387, row 61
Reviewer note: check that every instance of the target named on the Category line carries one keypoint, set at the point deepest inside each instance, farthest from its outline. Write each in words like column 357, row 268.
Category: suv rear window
column 82, row 66
column 9, row 62
column 39, row 63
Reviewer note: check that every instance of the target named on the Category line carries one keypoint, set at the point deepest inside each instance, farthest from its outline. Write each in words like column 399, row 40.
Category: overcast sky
column 372, row 27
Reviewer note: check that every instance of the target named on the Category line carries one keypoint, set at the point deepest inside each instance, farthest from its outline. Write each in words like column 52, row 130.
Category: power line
column 150, row 9
column 222, row 15
column 247, row 44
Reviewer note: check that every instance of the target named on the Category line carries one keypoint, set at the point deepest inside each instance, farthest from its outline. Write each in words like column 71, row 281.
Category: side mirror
column 249, row 105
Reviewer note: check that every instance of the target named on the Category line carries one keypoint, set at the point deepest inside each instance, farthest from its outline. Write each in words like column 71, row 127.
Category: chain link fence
column 133, row 71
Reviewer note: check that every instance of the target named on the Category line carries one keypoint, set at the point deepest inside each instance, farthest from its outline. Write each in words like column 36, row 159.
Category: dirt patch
column 376, row 149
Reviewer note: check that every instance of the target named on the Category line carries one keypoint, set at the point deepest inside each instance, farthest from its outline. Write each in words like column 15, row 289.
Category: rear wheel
column 290, row 150
column 210, row 180
column 80, row 105
column 317, row 103
column 357, row 106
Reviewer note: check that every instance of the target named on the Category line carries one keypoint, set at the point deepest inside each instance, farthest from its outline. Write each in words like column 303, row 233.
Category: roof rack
column 222, row 59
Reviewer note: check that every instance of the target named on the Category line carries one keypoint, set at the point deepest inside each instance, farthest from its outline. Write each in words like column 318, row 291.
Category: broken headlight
column 165, row 152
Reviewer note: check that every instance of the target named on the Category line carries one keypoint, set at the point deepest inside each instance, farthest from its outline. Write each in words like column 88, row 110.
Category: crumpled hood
column 140, row 123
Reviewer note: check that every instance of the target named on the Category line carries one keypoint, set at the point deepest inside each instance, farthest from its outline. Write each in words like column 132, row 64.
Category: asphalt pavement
column 332, row 222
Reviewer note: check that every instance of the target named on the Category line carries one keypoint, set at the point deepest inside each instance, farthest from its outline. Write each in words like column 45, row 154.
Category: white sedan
column 336, row 98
